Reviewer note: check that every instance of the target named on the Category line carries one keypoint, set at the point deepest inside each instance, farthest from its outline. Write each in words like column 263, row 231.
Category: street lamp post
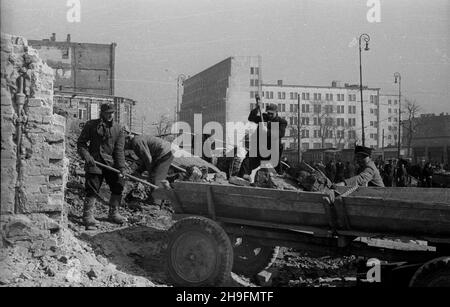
column 366, row 38
column 180, row 79
column 398, row 79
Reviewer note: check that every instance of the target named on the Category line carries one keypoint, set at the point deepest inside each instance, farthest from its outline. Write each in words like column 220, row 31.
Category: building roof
column 93, row 95
column 349, row 87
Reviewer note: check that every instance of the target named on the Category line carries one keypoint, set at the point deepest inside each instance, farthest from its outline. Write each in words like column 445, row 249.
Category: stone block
column 9, row 178
column 8, row 155
column 35, row 180
column 35, row 102
column 59, row 120
column 47, row 119
column 265, row 277
column 56, row 199
column 7, row 199
column 56, row 153
column 6, row 99
column 7, row 110
column 36, row 114
column 54, row 137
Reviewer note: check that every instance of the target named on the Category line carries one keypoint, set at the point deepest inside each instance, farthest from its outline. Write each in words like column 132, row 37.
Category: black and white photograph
column 225, row 151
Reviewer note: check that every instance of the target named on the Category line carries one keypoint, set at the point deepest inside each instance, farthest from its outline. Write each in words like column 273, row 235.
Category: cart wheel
column 199, row 253
column 250, row 257
column 435, row 273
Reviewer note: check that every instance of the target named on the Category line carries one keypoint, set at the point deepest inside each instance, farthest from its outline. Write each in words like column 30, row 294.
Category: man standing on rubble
column 154, row 153
column 369, row 176
column 271, row 116
column 106, row 141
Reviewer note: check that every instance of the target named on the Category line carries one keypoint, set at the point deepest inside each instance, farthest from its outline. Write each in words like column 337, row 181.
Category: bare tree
column 293, row 133
column 325, row 122
column 410, row 125
column 163, row 125
column 339, row 138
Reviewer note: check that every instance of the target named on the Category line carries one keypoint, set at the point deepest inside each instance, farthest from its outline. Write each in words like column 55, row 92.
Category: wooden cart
column 221, row 228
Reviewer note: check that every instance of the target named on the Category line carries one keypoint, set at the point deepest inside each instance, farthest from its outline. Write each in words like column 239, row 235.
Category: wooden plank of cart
column 221, row 228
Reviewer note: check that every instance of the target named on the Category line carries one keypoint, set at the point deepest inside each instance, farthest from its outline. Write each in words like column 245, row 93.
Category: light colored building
column 330, row 116
column 223, row 92
column 389, row 120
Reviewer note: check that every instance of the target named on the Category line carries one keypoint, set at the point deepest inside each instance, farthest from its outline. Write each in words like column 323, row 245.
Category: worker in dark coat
column 349, row 170
column 330, row 170
column 388, row 174
column 154, row 153
column 103, row 140
column 428, row 175
column 340, row 168
column 369, row 176
column 271, row 116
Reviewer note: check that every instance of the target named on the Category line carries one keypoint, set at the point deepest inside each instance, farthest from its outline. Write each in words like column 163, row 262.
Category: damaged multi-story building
column 84, row 79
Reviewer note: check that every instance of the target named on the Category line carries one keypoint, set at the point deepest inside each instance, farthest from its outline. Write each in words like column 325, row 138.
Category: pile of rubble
column 71, row 263
column 299, row 269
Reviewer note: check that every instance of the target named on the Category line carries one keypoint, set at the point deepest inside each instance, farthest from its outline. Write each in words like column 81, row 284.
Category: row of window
column 254, row 70
column 306, row 96
column 254, row 82
column 317, row 108
column 340, row 134
column 390, row 110
column 390, row 101
column 305, row 121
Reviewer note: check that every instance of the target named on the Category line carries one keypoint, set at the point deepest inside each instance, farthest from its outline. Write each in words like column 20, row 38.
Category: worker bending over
column 369, row 175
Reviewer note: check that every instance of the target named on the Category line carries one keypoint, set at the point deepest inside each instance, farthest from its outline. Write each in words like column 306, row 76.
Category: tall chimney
column 53, row 38
column 68, row 38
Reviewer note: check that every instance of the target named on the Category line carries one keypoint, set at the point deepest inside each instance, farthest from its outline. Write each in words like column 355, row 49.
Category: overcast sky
column 301, row 42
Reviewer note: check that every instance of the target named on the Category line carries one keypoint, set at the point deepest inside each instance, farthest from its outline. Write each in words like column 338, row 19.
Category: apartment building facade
column 389, row 111
column 330, row 116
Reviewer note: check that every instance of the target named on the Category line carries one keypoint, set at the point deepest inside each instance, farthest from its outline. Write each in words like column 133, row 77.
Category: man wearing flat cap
column 102, row 140
column 271, row 116
column 369, row 176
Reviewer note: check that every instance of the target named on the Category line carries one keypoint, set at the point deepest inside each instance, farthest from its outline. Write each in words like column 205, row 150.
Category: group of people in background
column 395, row 173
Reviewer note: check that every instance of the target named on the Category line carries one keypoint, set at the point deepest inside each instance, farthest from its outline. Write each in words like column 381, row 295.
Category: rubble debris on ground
column 299, row 269
column 72, row 264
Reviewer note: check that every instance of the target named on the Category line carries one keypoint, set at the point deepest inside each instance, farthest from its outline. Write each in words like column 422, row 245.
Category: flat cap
column 107, row 107
column 271, row 107
column 364, row 151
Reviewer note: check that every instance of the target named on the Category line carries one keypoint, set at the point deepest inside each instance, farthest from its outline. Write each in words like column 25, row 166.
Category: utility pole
column 299, row 137
column 366, row 39
column 382, row 144
column 398, row 79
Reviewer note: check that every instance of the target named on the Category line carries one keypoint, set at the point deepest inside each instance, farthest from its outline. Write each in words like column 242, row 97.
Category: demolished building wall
column 33, row 164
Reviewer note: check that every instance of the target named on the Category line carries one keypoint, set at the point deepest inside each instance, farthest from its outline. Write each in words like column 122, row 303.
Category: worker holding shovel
column 102, row 141
column 155, row 155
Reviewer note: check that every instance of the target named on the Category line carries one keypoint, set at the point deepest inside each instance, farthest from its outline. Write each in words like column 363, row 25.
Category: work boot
column 114, row 215
column 88, row 213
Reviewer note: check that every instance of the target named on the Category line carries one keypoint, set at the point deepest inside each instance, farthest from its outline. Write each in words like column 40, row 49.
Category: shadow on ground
column 137, row 250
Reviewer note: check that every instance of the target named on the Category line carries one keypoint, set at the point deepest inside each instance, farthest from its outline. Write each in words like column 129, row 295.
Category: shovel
column 126, row 175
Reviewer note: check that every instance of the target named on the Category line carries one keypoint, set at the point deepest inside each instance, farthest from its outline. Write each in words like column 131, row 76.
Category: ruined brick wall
column 33, row 164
